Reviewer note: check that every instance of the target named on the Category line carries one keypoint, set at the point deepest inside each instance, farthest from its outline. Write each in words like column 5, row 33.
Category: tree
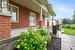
column 65, row 21
column 69, row 21
column 73, row 20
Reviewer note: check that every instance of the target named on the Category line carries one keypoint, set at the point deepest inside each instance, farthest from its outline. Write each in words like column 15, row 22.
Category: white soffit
column 51, row 12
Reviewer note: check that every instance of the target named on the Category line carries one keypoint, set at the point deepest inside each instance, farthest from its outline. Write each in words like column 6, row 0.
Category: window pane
column 9, row 8
column 14, row 14
column 0, row 5
column 4, row 10
column 4, row 6
column 4, row 3
column 32, row 19
column 14, row 9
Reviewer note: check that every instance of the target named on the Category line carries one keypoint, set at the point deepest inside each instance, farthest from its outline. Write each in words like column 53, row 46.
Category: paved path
column 55, row 44
column 67, row 42
column 72, row 42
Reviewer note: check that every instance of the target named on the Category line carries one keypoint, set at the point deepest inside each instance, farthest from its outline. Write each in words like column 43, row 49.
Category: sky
column 63, row 8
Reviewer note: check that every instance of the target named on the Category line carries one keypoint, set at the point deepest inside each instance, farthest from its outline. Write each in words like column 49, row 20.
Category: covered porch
column 19, row 11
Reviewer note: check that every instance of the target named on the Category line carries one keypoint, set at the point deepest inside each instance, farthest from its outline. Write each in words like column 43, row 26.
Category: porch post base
column 40, row 23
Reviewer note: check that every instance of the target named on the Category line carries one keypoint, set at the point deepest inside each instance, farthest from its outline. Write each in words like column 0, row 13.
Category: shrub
column 62, row 26
column 67, row 26
column 44, row 32
column 72, row 27
column 33, row 40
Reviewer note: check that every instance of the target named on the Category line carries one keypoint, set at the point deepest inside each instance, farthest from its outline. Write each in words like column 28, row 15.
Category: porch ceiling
column 42, row 1
column 31, row 5
column 50, row 10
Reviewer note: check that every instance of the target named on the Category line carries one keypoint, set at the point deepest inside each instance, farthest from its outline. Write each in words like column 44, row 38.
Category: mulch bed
column 55, row 44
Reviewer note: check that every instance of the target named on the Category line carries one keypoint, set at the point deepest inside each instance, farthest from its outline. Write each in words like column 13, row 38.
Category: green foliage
column 33, row 40
column 69, row 31
column 73, row 20
column 72, row 26
column 44, row 33
column 62, row 26
column 67, row 26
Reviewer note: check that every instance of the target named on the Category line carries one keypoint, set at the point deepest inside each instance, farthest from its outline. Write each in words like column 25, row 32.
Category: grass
column 69, row 31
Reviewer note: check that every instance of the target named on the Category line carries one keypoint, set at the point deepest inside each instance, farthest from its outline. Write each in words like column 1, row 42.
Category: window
column 14, row 10
column 32, row 19
column 0, row 5
column 3, row 6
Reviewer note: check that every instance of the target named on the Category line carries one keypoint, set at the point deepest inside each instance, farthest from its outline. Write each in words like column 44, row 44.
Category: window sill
column 14, row 21
column 32, row 26
column 5, row 14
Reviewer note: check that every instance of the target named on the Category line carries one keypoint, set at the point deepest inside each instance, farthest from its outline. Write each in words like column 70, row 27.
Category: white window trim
column 17, row 20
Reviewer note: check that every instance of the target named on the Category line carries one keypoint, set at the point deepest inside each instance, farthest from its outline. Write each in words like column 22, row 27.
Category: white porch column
column 41, row 13
column 40, row 22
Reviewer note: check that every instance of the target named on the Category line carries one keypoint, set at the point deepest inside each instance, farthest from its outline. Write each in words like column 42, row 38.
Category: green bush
column 44, row 33
column 67, row 26
column 62, row 26
column 72, row 26
column 33, row 40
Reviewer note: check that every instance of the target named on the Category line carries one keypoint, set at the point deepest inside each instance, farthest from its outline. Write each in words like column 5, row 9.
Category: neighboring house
column 17, row 15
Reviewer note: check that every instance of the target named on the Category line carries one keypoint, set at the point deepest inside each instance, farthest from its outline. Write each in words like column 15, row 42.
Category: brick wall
column 5, row 27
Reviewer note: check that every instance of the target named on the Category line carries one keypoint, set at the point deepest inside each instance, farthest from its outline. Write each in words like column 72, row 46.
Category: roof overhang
column 42, row 2
column 50, row 10
column 33, row 5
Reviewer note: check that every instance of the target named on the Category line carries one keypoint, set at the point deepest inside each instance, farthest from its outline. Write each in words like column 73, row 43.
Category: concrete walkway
column 72, row 42
column 67, row 41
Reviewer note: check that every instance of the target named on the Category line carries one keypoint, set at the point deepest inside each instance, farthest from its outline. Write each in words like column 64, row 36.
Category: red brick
column 5, row 27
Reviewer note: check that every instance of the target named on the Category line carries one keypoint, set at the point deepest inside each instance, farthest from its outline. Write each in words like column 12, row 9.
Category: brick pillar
column 5, row 27
column 40, row 23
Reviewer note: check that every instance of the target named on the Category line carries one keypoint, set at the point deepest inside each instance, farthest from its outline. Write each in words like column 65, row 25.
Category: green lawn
column 69, row 31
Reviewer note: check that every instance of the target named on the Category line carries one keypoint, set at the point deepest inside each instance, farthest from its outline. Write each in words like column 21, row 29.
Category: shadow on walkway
column 55, row 44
